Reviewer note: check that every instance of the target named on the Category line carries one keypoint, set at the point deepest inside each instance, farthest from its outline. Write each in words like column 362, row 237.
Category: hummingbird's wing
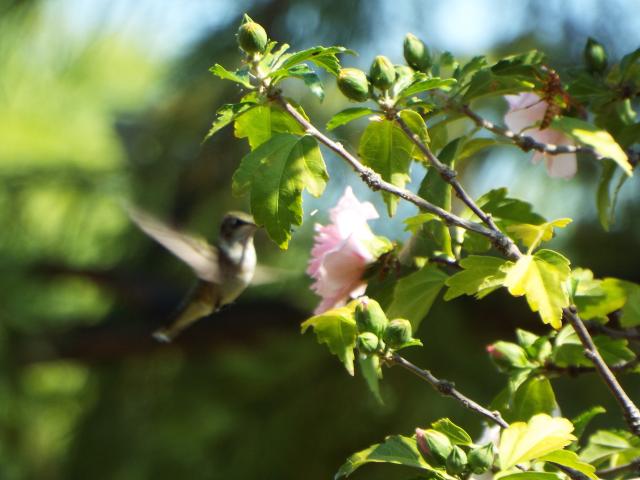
column 197, row 253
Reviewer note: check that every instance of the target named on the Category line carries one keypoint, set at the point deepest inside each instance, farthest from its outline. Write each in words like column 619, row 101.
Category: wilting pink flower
column 341, row 252
column 525, row 109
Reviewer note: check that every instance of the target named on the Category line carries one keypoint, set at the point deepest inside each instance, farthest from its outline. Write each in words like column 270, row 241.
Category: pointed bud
column 595, row 56
column 481, row 458
column 416, row 53
column 507, row 355
column 398, row 332
column 382, row 73
column 370, row 317
column 434, row 446
column 456, row 461
column 353, row 84
column 252, row 38
column 368, row 342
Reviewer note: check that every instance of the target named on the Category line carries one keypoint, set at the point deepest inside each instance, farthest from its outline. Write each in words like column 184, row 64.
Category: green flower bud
column 481, row 458
column 370, row 317
column 434, row 445
column 252, row 38
column 382, row 73
column 368, row 342
column 416, row 53
column 353, row 84
column 398, row 332
column 507, row 355
column 456, row 461
column 595, row 56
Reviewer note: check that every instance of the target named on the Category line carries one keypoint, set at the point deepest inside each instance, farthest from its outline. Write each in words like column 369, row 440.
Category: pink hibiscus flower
column 341, row 252
column 525, row 109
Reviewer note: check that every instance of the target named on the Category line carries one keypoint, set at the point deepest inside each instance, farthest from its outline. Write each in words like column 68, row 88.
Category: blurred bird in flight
column 224, row 270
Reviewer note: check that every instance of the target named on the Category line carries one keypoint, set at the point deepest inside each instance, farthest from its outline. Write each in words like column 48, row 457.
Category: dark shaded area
column 86, row 393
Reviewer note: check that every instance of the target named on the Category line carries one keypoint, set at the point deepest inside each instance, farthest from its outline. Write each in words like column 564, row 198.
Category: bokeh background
column 107, row 101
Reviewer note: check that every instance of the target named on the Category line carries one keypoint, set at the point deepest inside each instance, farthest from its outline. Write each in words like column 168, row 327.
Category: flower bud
column 398, row 332
column 252, row 38
column 416, row 53
column 382, row 73
column 353, row 84
column 456, row 461
column 368, row 342
column 595, row 56
column 434, row 446
column 507, row 355
column 370, row 317
column 481, row 458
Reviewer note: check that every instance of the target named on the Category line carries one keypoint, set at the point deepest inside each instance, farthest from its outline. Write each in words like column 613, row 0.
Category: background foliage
column 94, row 112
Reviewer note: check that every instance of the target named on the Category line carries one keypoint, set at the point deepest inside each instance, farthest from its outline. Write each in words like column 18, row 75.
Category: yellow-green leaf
column 541, row 277
column 570, row 459
column 600, row 140
column 533, row 235
column 541, row 435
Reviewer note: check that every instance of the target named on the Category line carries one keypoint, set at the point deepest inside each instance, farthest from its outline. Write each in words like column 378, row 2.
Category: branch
column 633, row 466
column 525, row 142
column 575, row 370
column 612, row 332
column 447, row 389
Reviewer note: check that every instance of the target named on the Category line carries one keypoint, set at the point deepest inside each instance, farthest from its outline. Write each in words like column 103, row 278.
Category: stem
column 574, row 370
column 446, row 388
column 633, row 466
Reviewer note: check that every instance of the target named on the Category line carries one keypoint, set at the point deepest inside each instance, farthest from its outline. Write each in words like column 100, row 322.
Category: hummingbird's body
column 223, row 270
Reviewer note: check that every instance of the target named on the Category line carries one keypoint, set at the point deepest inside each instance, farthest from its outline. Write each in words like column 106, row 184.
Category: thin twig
column 633, row 466
column 612, row 332
column 447, row 389
column 575, row 370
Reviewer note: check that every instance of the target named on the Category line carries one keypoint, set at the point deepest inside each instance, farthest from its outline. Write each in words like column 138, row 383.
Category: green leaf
column 434, row 83
column 521, row 65
column 308, row 76
column 530, row 476
column 395, row 449
column 532, row 235
column 569, row 350
column 456, row 434
column 570, row 459
column 603, row 197
column 416, row 124
column 387, row 150
column 276, row 173
column 583, row 419
column 540, row 277
column 241, row 77
column 348, row 115
column 532, row 397
column 541, row 435
column 260, row 123
column 227, row 114
column 481, row 276
column 486, row 84
column 508, row 210
column 323, row 57
column 596, row 298
column 631, row 311
column 605, row 444
column 372, row 373
column 474, row 146
column 337, row 329
column 414, row 294
column 600, row 140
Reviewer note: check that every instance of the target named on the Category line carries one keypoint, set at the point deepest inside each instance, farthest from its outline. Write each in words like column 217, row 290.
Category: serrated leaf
column 395, row 449
column 227, row 114
column 337, row 329
column 485, row 84
column 541, row 277
column 372, row 373
column 386, row 149
column 348, row 115
column 630, row 316
column 456, row 434
column 569, row 350
column 262, row 122
column 600, row 140
column 241, row 77
column 414, row 294
column 308, row 76
column 520, row 65
column 534, row 396
column 508, row 210
column 596, row 298
column 276, row 173
column 481, row 276
column 570, row 459
column 434, row 83
column 324, row 57
column 532, row 235
column 541, row 435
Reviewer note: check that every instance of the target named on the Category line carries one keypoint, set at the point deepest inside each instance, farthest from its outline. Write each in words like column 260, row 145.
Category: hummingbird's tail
column 193, row 311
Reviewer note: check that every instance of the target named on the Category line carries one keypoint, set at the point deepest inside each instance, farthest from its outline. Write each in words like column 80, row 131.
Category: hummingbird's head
column 237, row 227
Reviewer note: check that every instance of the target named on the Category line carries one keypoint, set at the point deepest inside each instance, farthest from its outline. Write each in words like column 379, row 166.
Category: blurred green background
column 107, row 101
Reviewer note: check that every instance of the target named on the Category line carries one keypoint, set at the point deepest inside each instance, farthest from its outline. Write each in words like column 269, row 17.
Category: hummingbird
column 224, row 270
